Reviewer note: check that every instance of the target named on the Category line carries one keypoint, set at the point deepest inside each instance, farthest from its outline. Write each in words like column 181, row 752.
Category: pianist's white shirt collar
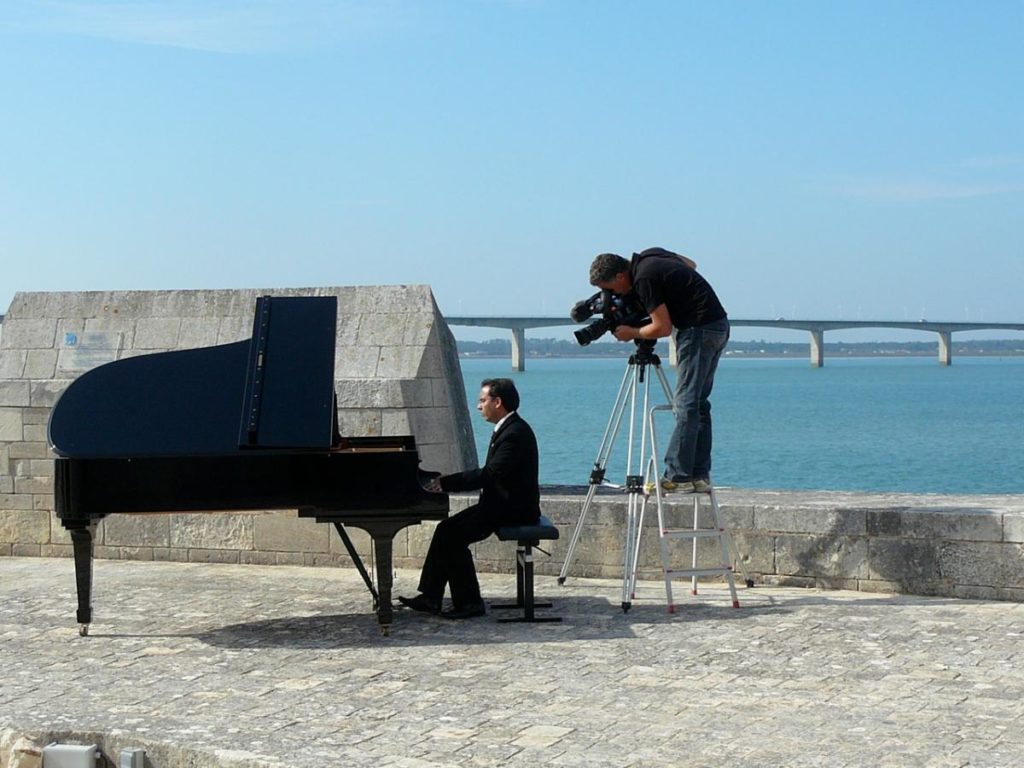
column 503, row 420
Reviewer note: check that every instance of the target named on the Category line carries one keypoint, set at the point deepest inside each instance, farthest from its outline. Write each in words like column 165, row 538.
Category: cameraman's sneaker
column 668, row 485
column 679, row 486
column 701, row 485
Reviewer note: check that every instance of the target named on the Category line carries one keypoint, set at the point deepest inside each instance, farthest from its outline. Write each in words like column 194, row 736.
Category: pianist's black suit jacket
column 508, row 480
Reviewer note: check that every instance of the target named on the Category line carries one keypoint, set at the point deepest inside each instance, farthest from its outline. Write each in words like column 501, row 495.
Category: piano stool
column 527, row 537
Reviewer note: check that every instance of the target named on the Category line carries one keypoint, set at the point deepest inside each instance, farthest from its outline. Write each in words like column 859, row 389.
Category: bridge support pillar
column 518, row 349
column 817, row 349
column 945, row 348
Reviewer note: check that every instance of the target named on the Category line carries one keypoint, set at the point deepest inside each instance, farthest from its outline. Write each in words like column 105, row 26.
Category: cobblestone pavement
column 252, row 666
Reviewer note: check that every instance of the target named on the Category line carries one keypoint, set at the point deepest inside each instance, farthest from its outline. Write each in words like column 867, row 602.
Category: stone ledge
column 955, row 546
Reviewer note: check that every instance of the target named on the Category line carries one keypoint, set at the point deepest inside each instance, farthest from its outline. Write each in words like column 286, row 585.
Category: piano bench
column 527, row 537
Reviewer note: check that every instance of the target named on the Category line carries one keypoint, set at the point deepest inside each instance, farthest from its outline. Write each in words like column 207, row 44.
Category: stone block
column 360, row 423
column 56, row 550
column 281, row 532
column 821, row 556
column 737, row 516
column 407, row 363
column 848, row 522
column 39, row 467
column 1013, row 527
column 440, row 391
column 418, row 393
column 382, row 330
column 384, row 298
column 879, row 586
column 563, row 511
column 357, row 363
column 435, row 458
column 255, row 557
column 423, row 423
column 12, row 363
column 39, row 451
column 903, row 562
column 36, row 415
column 11, row 426
column 348, row 328
column 44, row 394
column 29, row 333
column 196, row 332
column 24, row 526
column 124, row 327
column 12, row 501
column 367, row 393
column 756, row 552
column 982, row 564
column 138, row 530
column 60, row 535
column 35, row 432
column 212, row 531
column 170, row 555
column 883, row 522
column 39, row 485
column 212, row 555
column 234, row 329
column 157, row 333
column 15, row 394
column 419, row 330
column 40, row 364
column 961, row 524
column 26, row 550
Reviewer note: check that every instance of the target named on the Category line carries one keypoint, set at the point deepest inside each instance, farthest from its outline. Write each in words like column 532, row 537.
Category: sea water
column 903, row 424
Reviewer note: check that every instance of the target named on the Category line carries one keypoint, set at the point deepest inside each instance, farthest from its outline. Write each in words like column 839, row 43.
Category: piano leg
column 383, row 545
column 81, row 541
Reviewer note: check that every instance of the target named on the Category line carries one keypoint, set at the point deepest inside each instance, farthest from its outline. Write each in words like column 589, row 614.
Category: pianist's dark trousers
column 449, row 561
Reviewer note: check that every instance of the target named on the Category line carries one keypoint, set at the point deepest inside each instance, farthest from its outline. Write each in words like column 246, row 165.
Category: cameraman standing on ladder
column 675, row 295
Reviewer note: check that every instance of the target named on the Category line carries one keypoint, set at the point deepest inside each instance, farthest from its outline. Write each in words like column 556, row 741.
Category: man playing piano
column 509, row 495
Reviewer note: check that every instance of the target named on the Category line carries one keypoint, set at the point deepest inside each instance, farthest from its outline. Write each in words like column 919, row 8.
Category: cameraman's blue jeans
column 688, row 454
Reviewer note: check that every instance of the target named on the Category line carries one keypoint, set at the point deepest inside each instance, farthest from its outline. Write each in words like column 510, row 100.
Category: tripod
column 634, row 381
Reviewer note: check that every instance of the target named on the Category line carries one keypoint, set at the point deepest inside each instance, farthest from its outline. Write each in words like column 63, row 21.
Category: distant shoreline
column 755, row 349
column 751, row 355
column 743, row 355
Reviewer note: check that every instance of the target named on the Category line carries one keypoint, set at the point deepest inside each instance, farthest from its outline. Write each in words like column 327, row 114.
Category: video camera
column 615, row 310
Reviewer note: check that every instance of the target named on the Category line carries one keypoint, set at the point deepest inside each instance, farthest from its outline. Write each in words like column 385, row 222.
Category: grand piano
column 242, row 426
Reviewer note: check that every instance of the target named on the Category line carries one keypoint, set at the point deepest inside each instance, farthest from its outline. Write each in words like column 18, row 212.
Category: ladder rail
column 694, row 534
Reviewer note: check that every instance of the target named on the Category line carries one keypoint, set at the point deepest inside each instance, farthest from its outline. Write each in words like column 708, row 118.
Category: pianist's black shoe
column 468, row 611
column 421, row 603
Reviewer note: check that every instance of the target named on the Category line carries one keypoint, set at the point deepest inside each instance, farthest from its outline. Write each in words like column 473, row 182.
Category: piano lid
column 274, row 391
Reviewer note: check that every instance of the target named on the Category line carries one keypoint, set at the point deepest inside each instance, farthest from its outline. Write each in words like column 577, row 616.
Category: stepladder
column 697, row 545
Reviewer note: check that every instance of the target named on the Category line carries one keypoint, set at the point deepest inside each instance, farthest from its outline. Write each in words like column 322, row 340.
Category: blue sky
column 817, row 159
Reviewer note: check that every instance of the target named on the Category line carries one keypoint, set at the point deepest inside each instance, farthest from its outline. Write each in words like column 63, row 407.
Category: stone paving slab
column 255, row 666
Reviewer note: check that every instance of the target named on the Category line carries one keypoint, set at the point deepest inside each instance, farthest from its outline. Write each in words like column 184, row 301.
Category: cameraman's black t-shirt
column 661, row 277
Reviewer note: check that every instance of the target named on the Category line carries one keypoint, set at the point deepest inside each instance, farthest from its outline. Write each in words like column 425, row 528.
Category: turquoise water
column 856, row 424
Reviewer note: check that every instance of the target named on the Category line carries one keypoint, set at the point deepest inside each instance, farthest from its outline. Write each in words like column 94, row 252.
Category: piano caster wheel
column 83, row 630
column 385, row 630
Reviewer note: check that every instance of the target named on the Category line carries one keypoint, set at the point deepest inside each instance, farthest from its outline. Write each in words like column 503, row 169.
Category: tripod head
column 644, row 355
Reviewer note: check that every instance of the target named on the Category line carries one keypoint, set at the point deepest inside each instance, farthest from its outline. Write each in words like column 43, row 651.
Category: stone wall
column 956, row 546
column 396, row 373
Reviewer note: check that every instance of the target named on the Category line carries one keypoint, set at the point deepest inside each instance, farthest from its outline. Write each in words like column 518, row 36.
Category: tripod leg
column 576, row 534
column 611, row 431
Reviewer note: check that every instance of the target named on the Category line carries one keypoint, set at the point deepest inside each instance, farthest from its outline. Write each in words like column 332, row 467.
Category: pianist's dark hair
column 505, row 389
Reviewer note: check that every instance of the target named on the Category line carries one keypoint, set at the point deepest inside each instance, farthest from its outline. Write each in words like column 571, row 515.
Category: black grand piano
column 248, row 425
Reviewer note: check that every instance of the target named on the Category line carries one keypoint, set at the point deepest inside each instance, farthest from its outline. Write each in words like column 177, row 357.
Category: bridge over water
column 816, row 328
